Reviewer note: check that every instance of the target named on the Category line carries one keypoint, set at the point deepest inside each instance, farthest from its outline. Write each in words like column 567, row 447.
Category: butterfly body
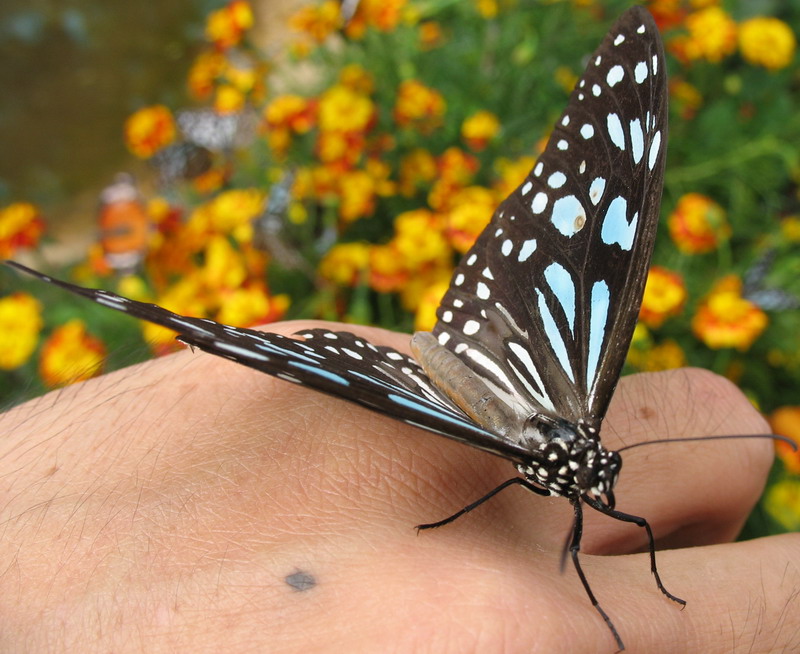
column 533, row 330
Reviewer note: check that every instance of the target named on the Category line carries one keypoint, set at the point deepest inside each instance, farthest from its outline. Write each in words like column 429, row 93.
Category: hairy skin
column 162, row 507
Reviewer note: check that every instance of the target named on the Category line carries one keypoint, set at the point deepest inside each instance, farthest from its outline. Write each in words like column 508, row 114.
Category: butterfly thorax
column 570, row 461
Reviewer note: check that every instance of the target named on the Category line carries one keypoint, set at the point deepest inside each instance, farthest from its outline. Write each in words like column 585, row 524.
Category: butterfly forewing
column 544, row 304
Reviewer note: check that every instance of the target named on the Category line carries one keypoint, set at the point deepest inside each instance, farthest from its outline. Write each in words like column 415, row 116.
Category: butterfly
column 533, row 331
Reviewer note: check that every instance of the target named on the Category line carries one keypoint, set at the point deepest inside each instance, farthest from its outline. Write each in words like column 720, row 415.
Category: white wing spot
column 637, row 140
column 447, row 316
column 615, row 131
column 655, row 146
column 539, row 202
column 487, row 273
column 616, row 228
column 640, row 29
column 615, row 75
column 352, row 353
column 568, row 215
column 444, row 337
column 587, row 131
column 482, row 291
column 598, row 60
column 460, row 348
column 640, row 72
column 459, row 279
column 538, row 169
column 507, row 247
column 596, row 90
column 580, row 96
column 472, row 259
column 526, row 188
column 330, row 335
column 596, row 189
column 394, row 356
column 557, row 180
column 565, row 121
column 620, row 39
column 471, row 327
column 655, row 64
column 458, row 303
column 562, row 145
column 582, row 167
column 527, row 249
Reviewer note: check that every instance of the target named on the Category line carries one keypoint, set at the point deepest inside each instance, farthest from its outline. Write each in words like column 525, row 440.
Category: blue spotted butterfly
column 533, row 331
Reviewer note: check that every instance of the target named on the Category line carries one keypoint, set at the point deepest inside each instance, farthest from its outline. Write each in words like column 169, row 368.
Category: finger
column 691, row 493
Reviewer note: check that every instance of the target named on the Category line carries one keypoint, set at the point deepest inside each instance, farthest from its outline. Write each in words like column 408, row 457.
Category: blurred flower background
column 340, row 173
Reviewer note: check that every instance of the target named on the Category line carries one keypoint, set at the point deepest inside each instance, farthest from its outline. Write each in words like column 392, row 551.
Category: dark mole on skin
column 646, row 413
column 301, row 580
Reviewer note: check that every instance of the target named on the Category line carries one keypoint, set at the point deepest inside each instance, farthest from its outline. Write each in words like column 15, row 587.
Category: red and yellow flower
column 712, row 36
column 317, row 22
column 726, row 319
column 21, row 226
column 346, row 263
column 382, row 15
column 470, row 211
column 782, row 502
column 664, row 296
column 785, row 421
column 149, row 130
column 70, row 355
column 225, row 27
column 418, row 106
column 697, row 224
column 480, row 128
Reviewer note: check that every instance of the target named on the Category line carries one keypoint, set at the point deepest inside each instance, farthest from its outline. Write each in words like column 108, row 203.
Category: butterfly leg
column 639, row 522
column 511, row 482
column 574, row 548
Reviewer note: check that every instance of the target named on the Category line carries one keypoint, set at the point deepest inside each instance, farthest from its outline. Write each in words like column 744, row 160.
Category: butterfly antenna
column 775, row 437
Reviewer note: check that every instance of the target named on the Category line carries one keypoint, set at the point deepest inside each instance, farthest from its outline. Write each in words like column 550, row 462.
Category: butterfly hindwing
column 544, row 304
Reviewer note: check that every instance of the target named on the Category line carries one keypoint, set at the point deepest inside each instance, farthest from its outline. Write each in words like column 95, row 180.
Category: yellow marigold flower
column 480, row 128
column 186, row 297
column 356, row 195
column 250, row 305
column 357, row 79
column 470, row 212
column 712, row 35
column 512, row 173
column 383, row 15
column 425, row 316
column 345, row 264
column 665, row 356
column 243, row 74
column 785, row 421
column 766, row 41
column 387, row 270
column 291, row 111
column 148, row 130
column 726, row 319
column 790, row 229
column 664, row 296
column 341, row 149
column 205, row 70
column 317, row 22
column 686, row 97
column 71, row 355
column 782, row 502
column 224, row 267
column 228, row 99
column 231, row 209
column 225, row 27
column 417, row 169
column 21, row 226
column 418, row 106
column 343, row 109
column 697, row 224
column 20, row 324
column 487, row 8
column 419, row 239
column 566, row 78
column 430, row 35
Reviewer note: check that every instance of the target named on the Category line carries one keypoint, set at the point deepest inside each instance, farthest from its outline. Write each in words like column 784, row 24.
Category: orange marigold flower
column 205, row 70
column 232, row 209
column 782, row 502
column 665, row 356
column 418, row 106
column 667, row 13
column 480, row 128
column 357, row 79
column 712, row 36
column 697, row 224
column 225, row 27
column 342, row 109
column 566, row 78
column 726, row 319
column 148, row 130
column 228, row 99
column 317, row 22
column 356, row 195
column 383, row 15
column 20, row 324
column 430, row 35
column 664, row 296
column 21, row 226
column 71, row 355
column 768, row 42
column 345, row 264
column 785, row 421
column 425, row 316
column 387, row 270
column 470, row 212
column 417, row 168
column 292, row 111
column 341, row 150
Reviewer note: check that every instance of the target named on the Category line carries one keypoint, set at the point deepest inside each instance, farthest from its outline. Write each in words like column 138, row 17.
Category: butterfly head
column 571, row 461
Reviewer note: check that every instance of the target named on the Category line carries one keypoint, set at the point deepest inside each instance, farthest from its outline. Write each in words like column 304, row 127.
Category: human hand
column 165, row 507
